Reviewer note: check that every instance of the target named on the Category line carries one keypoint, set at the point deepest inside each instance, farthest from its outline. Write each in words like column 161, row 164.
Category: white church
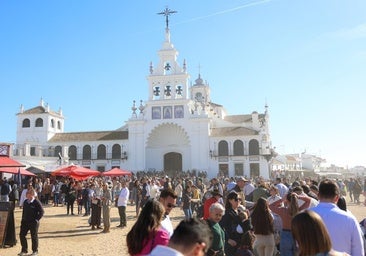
column 178, row 128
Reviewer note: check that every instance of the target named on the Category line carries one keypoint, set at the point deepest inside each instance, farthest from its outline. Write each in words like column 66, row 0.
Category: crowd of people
column 237, row 216
column 258, row 217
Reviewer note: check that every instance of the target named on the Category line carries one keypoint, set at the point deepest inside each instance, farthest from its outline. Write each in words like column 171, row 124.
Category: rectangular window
column 33, row 151
column 156, row 112
column 167, row 112
column 239, row 169
column 178, row 111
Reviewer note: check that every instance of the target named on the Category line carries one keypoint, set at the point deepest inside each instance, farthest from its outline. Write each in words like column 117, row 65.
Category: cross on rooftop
column 167, row 13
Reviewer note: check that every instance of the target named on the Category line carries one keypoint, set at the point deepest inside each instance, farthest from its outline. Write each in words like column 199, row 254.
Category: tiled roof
column 215, row 104
column 241, row 118
column 276, row 161
column 238, row 118
column 290, row 158
column 90, row 136
column 38, row 110
column 232, row 131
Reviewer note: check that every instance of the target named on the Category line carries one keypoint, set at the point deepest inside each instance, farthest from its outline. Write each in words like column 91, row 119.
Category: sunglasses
column 237, row 199
column 170, row 205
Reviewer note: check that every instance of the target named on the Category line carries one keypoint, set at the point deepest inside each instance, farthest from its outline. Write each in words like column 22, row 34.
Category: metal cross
column 179, row 90
column 156, row 91
column 166, row 13
column 167, row 90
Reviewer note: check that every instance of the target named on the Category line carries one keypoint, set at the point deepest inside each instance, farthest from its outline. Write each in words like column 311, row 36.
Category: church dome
column 199, row 80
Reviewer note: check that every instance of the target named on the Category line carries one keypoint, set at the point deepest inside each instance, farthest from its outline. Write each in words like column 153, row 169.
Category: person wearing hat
column 239, row 187
column 216, row 195
column 216, row 185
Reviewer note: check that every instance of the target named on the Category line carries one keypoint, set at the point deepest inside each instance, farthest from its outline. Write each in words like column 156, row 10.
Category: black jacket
column 32, row 211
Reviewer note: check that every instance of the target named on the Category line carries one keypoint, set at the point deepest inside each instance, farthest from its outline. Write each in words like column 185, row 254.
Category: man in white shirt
column 343, row 228
column 122, row 204
column 248, row 190
column 282, row 189
column 168, row 199
column 154, row 189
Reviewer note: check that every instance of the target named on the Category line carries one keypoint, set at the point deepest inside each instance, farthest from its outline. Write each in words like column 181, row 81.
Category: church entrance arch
column 168, row 148
column 173, row 163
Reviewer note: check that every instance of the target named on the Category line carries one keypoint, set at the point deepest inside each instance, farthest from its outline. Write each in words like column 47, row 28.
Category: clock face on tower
column 199, row 96
column 4, row 150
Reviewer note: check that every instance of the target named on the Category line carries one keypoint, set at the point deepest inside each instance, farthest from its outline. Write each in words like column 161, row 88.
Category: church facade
column 178, row 128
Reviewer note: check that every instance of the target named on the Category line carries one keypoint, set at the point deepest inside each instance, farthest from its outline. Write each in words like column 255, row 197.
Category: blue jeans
column 188, row 213
column 287, row 244
column 56, row 198
column 87, row 205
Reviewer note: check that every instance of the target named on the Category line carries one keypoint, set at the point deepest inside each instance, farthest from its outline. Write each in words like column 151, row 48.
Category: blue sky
column 306, row 59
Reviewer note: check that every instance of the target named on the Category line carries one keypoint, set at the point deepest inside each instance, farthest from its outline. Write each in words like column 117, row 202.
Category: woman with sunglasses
column 230, row 222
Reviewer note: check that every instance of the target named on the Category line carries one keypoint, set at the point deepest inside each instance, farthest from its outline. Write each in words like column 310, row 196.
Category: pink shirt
column 161, row 238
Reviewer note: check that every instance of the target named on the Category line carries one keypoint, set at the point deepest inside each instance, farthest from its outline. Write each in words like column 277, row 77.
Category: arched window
column 26, row 123
column 116, row 151
column 101, row 153
column 59, row 125
column 39, row 122
column 52, row 123
column 223, row 148
column 72, row 152
column 253, row 147
column 58, row 151
column 86, row 152
column 238, row 148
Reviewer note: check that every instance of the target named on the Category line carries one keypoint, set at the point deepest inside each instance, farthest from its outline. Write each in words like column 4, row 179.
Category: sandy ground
column 61, row 234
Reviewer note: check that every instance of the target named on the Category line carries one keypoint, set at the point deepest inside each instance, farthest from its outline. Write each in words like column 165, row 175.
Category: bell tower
column 168, row 80
column 200, row 91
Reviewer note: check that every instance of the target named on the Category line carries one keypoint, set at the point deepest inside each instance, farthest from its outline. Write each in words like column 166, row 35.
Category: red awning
column 15, row 170
column 76, row 172
column 116, row 172
column 6, row 161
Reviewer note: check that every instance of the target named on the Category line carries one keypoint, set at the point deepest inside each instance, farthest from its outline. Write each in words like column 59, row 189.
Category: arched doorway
column 172, row 163
column 166, row 145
